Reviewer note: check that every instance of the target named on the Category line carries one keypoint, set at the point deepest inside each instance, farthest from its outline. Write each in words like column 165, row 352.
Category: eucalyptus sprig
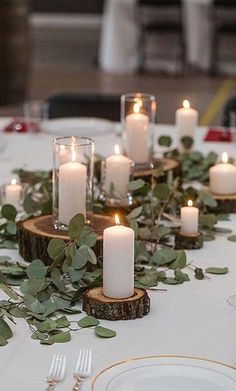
column 47, row 293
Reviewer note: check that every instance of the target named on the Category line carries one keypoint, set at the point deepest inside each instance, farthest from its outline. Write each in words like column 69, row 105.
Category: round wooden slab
column 166, row 163
column 34, row 235
column 102, row 307
column 225, row 203
column 188, row 242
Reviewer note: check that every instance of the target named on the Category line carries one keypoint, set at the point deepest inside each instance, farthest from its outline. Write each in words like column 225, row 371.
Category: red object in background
column 219, row 135
column 20, row 126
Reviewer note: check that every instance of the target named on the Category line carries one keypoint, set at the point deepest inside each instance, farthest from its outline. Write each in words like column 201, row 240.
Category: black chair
column 84, row 105
column 221, row 28
column 150, row 26
column 230, row 106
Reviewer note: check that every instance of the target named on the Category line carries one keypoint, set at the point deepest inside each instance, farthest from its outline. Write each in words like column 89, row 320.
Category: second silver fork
column 82, row 368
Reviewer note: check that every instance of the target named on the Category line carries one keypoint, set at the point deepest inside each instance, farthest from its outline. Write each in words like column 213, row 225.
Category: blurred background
column 172, row 49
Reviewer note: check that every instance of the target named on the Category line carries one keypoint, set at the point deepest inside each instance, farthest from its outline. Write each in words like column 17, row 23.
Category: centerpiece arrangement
column 80, row 248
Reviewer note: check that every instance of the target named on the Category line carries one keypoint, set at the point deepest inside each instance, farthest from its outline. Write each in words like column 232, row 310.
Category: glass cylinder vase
column 72, row 179
column 138, row 114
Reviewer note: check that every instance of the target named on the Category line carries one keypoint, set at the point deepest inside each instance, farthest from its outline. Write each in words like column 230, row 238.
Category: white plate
column 166, row 373
column 77, row 126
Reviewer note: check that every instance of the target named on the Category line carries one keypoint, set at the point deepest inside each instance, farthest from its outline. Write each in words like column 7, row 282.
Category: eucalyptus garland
column 44, row 296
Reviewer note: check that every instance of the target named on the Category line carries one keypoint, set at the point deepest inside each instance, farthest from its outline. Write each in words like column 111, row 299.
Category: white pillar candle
column 186, row 119
column 117, row 172
column 189, row 219
column 13, row 194
column 118, row 261
column 137, row 133
column 72, row 190
column 223, row 177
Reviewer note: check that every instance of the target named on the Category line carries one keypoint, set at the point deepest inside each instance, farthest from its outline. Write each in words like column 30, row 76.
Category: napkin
column 219, row 135
column 20, row 126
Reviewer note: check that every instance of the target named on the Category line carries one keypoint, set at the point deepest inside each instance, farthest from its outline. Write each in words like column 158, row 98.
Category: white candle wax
column 186, row 119
column 13, row 194
column 117, row 172
column 72, row 191
column 137, row 129
column 189, row 219
column 118, row 262
column 223, row 177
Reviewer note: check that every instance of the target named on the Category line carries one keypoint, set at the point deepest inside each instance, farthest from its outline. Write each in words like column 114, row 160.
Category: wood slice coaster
column 225, row 203
column 34, row 235
column 167, row 165
column 102, row 307
column 188, row 242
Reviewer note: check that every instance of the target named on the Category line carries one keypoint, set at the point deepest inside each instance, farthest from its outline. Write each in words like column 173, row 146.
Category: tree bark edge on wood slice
column 34, row 234
column 102, row 307
column 188, row 242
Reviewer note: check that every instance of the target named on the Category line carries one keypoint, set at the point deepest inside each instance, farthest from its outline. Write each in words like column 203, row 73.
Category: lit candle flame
column 117, row 149
column 186, row 104
column 117, row 220
column 190, row 203
column 13, row 182
column 136, row 108
column 224, row 158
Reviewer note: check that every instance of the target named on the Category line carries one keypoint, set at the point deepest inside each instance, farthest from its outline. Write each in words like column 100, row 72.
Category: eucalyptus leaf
column 163, row 257
column 103, row 332
column 61, row 337
column 9, row 212
column 222, row 230
column 46, row 326
column 179, row 275
column 3, row 341
column 8, row 244
column 62, row 322
column 208, row 238
column 198, row 272
column 36, row 269
column 217, row 270
column 180, row 261
column 207, row 221
column 207, row 199
column 76, row 275
column 57, row 279
column 136, row 185
column 11, row 228
column 40, row 336
column 232, row 238
column 5, row 330
column 165, row 141
column 172, row 281
column 35, row 285
column 162, row 191
column 56, row 248
column 187, row 142
column 223, row 217
column 135, row 213
column 87, row 237
column 76, row 226
column 88, row 321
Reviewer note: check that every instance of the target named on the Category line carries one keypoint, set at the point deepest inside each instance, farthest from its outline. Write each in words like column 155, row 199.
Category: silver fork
column 56, row 372
column 82, row 368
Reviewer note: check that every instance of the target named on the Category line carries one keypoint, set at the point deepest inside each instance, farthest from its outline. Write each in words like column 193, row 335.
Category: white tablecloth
column 190, row 319
column 119, row 37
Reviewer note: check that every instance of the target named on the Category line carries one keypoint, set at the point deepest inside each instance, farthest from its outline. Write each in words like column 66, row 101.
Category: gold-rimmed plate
column 166, row 373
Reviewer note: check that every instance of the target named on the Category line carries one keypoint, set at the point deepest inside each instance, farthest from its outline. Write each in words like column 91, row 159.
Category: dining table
column 192, row 319
column 118, row 51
